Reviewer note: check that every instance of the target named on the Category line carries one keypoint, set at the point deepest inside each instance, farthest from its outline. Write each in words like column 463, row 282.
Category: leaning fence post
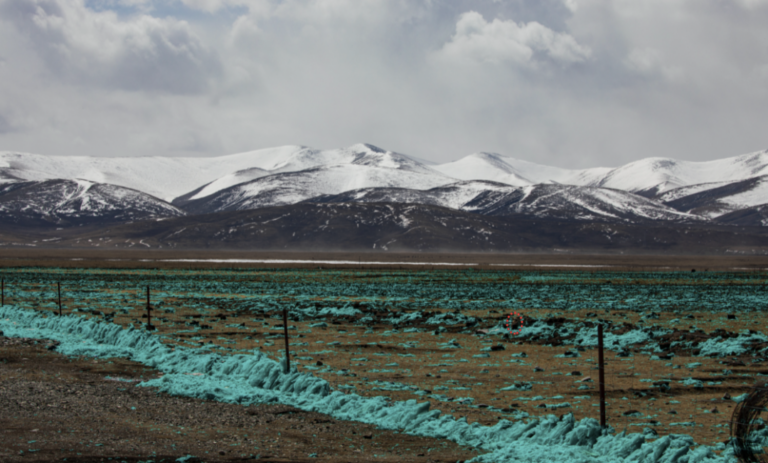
column 285, row 330
column 601, row 375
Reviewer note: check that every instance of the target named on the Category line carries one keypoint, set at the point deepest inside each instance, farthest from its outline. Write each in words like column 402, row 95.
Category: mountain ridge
column 36, row 191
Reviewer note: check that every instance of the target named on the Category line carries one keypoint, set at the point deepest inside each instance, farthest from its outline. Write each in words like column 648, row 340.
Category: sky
column 571, row 83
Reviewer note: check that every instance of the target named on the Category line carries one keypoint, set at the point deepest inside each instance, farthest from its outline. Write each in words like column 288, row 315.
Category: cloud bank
column 570, row 82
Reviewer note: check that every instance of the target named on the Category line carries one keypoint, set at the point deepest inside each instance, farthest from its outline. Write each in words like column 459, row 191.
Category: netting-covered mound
column 248, row 379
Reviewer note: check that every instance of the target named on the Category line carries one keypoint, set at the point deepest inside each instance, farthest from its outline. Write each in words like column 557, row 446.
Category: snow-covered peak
column 516, row 172
column 662, row 174
column 366, row 147
column 483, row 166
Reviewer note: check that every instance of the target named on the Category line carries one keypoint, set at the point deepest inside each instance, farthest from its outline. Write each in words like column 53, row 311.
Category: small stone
column 585, row 379
column 714, row 410
column 319, row 363
column 221, row 452
column 537, row 368
column 575, row 373
column 368, row 436
column 731, row 316
column 727, row 396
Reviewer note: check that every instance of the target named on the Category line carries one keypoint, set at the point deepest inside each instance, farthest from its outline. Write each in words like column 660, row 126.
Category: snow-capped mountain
column 577, row 203
column 653, row 176
column 719, row 198
column 497, row 168
column 543, row 201
column 168, row 177
column 75, row 202
column 294, row 187
column 453, row 196
column 649, row 177
column 653, row 189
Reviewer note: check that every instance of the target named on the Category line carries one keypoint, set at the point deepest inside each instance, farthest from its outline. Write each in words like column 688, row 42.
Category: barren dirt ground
column 56, row 408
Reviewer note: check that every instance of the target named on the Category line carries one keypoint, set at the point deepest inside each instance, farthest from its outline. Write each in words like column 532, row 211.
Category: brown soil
column 56, row 407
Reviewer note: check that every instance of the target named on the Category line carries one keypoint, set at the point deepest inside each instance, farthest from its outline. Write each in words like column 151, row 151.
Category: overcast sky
column 573, row 83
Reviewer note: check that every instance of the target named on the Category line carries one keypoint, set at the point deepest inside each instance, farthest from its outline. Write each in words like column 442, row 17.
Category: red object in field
column 510, row 320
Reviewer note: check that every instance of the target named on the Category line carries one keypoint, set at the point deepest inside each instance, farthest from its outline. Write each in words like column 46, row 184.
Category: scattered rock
column 575, row 373
column 537, row 368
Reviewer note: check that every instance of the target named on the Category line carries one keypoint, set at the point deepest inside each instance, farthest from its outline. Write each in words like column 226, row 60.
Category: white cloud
column 98, row 48
column 575, row 82
column 753, row 4
column 572, row 5
column 501, row 41
column 649, row 62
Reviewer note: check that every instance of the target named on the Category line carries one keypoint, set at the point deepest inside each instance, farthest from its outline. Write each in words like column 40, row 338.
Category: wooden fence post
column 601, row 376
column 149, row 308
column 285, row 330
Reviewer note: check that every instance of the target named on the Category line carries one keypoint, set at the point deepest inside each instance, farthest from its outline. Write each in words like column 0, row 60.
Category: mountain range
column 39, row 192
